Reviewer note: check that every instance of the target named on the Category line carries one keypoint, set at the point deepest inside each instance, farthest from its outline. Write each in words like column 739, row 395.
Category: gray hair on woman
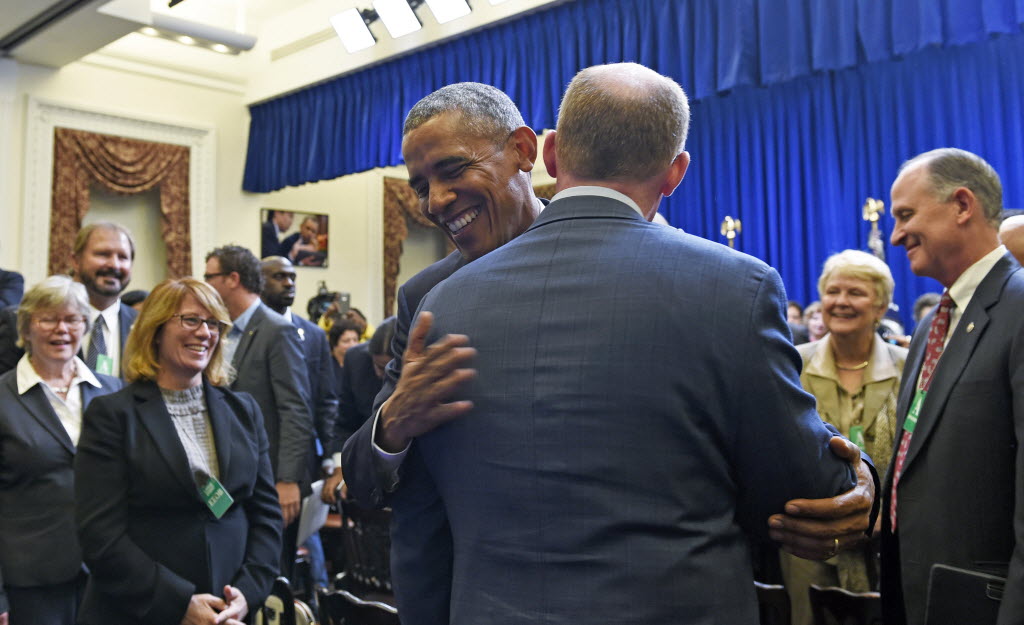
column 862, row 266
column 53, row 292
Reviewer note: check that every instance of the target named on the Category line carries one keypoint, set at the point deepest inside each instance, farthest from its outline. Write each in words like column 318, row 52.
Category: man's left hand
column 817, row 529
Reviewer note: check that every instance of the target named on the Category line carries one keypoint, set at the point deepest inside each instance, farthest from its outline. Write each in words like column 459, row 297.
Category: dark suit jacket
column 38, row 543
column 125, row 318
column 361, row 476
column 269, row 243
column 269, row 366
column 12, row 287
column 323, row 395
column 960, row 493
column 149, row 539
column 10, row 353
column 618, row 452
column 359, row 388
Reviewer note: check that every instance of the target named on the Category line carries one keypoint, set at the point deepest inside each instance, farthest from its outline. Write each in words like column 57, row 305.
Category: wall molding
column 43, row 116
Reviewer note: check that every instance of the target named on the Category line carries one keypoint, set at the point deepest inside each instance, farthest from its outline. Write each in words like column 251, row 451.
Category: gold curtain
column 544, row 191
column 400, row 206
column 125, row 166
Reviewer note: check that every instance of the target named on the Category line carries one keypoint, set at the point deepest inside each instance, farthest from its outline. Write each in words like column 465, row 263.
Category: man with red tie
column 953, row 492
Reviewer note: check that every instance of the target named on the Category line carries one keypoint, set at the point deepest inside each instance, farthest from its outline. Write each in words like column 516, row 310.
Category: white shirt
column 69, row 410
column 111, row 334
column 962, row 291
column 600, row 192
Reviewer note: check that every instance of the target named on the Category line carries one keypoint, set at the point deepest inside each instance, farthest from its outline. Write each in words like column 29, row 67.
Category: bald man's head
column 1011, row 233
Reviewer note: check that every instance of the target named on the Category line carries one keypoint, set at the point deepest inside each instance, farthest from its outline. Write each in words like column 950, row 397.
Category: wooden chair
column 367, row 544
column 282, row 608
column 836, row 606
column 772, row 604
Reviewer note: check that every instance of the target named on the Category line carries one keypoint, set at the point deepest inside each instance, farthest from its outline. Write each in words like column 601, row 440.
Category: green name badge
column 857, row 435
column 104, row 364
column 217, row 499
column 915, row 410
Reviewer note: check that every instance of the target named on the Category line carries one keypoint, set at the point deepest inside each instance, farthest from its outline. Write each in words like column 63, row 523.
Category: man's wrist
column 384, row 436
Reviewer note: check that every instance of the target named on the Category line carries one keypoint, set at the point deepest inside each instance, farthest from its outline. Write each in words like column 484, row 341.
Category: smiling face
column 105, row 264
column 850, row 306
column 183, row 354
column 926, row 225
column 469, row 186
column 57, row 343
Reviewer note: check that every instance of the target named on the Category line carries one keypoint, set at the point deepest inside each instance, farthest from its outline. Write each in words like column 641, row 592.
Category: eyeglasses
column 51, row 323
column 192, row 323
column 207, row 276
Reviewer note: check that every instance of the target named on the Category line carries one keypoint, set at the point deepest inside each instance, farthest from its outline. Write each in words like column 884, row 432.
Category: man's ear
column 967, row 204
column 524, row 140
column 549, row 154
column 675, row 173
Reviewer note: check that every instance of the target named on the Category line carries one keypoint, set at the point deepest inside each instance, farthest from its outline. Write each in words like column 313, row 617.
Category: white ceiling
column 295, row 43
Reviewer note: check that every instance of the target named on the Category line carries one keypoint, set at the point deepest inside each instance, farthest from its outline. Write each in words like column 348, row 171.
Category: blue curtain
column 801, row 108
column 795, row 161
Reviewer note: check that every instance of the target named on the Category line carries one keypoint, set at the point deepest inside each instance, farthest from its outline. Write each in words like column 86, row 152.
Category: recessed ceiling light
column 220, row 47
column 397, row 16
column 448, row 10
column 352, row 30
column 185, row 39
column 150, row 31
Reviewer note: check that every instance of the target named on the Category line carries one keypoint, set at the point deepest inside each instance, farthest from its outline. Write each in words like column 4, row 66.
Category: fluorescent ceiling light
column 448, row 10
column 352, row 30
column 397, row 16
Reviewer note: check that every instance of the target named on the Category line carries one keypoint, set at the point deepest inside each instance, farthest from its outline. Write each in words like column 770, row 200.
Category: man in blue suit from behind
column 636, row 410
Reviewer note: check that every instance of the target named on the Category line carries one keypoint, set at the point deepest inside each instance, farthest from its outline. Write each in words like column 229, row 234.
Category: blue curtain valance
column 353, row 123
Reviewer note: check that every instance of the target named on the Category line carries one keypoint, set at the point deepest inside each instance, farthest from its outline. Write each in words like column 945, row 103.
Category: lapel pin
column 970, row 326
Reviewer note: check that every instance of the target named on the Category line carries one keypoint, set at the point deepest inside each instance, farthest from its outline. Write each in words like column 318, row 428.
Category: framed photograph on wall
column 300, row 237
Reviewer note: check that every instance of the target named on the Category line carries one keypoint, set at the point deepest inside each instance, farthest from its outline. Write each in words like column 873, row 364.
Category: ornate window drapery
column 125, row 166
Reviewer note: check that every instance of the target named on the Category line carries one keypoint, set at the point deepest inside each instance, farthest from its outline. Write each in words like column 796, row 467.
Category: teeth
column 463, row 221
column 197, row 348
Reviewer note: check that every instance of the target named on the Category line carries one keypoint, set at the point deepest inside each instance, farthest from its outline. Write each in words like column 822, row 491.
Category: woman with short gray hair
column 41, row 405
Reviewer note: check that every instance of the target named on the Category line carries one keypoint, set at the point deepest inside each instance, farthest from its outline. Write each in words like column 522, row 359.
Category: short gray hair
column 861, row 266
column 485, row 111
column 951, row 168
column 621, row 122
column 53, row 292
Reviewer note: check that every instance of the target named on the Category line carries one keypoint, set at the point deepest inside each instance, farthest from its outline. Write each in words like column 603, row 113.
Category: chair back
column 341, row 607
column 836, row 606
column 367, row 544
column 772, row 604
column 282, row 608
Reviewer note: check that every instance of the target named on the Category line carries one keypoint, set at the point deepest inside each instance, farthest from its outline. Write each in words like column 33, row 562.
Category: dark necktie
column 97, row 344
column 933, row 349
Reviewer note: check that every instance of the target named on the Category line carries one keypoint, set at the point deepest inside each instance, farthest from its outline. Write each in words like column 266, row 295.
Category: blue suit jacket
column 960, row 497
column 323, row 396
column 38, row 542
column 637, row 411
column 149, row 539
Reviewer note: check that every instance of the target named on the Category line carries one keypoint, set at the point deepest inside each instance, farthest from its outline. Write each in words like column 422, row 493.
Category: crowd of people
column 577, row 416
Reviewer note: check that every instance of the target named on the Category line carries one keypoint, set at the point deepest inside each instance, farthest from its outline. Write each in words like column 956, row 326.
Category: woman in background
column 814, row 322
column 855, row 376
column 175, row 501
column 41, row 403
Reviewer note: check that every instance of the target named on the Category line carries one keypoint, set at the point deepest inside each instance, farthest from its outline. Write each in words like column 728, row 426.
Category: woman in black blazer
column 41, row 403
column 175, row 501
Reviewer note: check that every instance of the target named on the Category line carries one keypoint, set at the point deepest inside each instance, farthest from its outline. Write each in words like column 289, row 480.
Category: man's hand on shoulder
column 817, row 529
column 430, row 376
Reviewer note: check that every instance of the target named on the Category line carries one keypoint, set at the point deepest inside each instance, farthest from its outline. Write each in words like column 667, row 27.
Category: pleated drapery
column 125, row 166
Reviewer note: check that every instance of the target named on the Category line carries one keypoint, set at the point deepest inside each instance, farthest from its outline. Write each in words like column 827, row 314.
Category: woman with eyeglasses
column 41, row 404
column 175, row 501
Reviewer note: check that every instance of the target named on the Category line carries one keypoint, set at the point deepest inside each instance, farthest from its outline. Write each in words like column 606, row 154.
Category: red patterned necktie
column 933, row 349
